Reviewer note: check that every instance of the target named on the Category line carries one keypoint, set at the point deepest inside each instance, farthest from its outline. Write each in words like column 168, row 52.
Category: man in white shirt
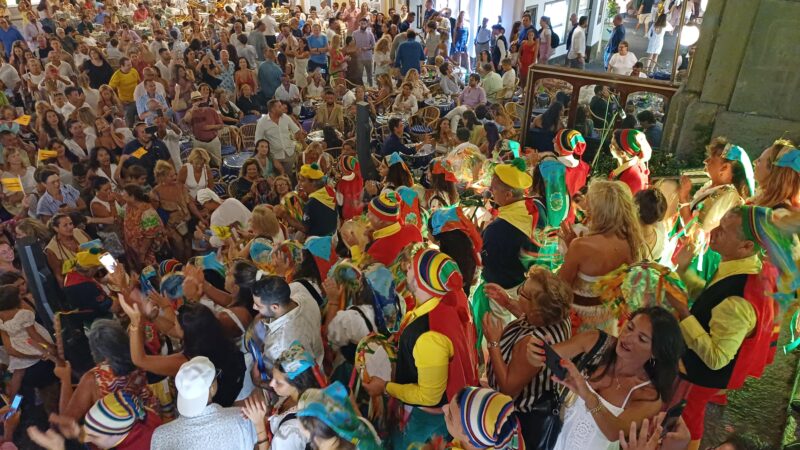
column 229, row 213
column 577, row 53
column 289, row 93
column 325, row 11
column 164, row 64
column 64, row 69
column 270, row 27
column 75, row 100
column 9, row 76
column 149, row 74
column 282, row 133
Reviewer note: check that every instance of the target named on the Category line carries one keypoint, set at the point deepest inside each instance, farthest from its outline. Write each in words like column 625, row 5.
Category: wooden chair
column 514, row 110
column 423, row 122
column 248, row 133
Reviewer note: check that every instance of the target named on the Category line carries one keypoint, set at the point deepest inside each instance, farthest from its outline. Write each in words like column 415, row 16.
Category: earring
column 651, row 361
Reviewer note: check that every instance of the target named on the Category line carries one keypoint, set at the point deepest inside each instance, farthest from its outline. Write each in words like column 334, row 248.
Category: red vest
column 758, row 349
column 636, row 177
column 385, row 250
column 452, row 320
column 576, row 177
column 351, row 196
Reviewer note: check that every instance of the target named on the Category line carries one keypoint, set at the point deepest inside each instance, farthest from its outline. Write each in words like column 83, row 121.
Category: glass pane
column 557, row 11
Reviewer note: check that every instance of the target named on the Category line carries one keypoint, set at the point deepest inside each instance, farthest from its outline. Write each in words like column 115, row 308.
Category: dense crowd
column 227, row 270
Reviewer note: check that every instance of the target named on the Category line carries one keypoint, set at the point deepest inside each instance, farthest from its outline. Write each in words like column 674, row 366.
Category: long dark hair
column 318, row 429
column 303, row 381
column 552, row 116
column 457, row 245
column 667, row 349
column 307, row 269
column 136, row 191
column 244, row 273
column 49, row 130
column 398, row 175
column 94, row 164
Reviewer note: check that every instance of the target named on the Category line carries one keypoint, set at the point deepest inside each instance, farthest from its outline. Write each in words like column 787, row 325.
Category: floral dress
column 142, row 222
column 134, row 383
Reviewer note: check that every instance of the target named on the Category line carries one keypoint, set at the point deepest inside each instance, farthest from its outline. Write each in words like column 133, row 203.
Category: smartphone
column 108, row 261
column 671, row 419
column 14, row 406
column 151, row 130
column 553, row 361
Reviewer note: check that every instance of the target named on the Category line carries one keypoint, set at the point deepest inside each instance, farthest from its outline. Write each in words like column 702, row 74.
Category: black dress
column 98, row 75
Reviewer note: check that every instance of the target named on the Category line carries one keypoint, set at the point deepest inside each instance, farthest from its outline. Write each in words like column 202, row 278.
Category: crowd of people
column 226, row 273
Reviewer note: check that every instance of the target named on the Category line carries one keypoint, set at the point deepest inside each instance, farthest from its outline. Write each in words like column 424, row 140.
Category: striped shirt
column 515, row 332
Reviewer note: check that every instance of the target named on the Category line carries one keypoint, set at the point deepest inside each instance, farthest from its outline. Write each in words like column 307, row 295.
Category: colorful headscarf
column 439, row 167
column 385, row 206
column 332, row 407
column 736, row 153
column 452, row 218
column 210, row 262
column 296, row 359
column 488, row 417
column 759, row 227
column 347, row 275
column 394, row 158
column 169, row 266
column 115, row 414
column 261, row 252
column 385, row 300
column 568, row 142
column 788, row 157
column 146, row 278
column 434, row 272
column 172, row 285
column 410, row 211
column 89, row 258
column 633, row 143
column 292, row 250
column 514, row 174
column 293, row 204
column 323, row 251
column 311, row 171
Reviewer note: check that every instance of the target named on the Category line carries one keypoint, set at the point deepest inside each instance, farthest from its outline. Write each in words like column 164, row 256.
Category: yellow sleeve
column 694, row 284
column 114, row 81
column 731, row 321
column 432, row 354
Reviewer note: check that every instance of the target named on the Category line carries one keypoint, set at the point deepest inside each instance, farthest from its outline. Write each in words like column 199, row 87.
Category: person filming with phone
column 621, row 380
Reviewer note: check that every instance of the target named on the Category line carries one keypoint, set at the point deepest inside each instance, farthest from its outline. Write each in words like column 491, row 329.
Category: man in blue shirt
column 617, row 36
column 9, row 35
column 394, row 143
column 410, row 54
column 318, row 47
column 269, row 75
column 527, row 27
column 154, row 150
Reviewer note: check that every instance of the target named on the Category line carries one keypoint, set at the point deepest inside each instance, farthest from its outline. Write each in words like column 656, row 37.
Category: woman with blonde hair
column 196, row 173
column 92, row 94
column 338, row 58
column 17, row 166
column 614, row 232
column 264, row 227
column 777, row 172
column 418, row 88
column 109, row 104
column 381, row 56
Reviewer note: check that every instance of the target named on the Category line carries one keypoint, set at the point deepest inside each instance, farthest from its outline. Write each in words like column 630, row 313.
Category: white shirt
column 408, row 105
column 509, row 79
column 9, row 76
column 271, row 24
column 280, row 135
column 325, row 13
column 216, row 427
column 79, row 59
column 291, row 95
column 163, row 69
column 65, row 70
column 349, row 327
column 230, row 212
column 139, row 91
column 578, row 44
column 76, row 149
column 501, row 47
column 300, row 324
column 622, row 65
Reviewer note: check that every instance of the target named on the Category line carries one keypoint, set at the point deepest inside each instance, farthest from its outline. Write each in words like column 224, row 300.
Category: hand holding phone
column 553, row 361
column 14, row 407
column 108, row 261
column 671, row 419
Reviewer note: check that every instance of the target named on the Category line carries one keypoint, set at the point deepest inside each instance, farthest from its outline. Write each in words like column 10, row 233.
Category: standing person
column 500, row 48
column 545, row 40
column 282, row 133
column 124, row 82
column 527, row 27
column 318, row 49
column 527, row 54
column 257, row 39
column 617, row 37
column 270, row 25
column 365, row 42
column 655, row 41
column 483, row 37
column 728, row 329
column 206, row 123
column 389, row 237
column 269, row 75
column 645, row 16
column 436, row 357
column 410, row 54
column 8, row 35
column 319, row 213
column 573, row 20
column 623, row 61
column 577, row 53
column 460, row 39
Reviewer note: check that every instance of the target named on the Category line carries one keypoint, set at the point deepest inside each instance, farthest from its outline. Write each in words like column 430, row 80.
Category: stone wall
column 745, row 78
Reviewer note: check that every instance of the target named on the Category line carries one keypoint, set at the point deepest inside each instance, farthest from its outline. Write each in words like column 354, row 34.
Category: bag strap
column 363, row 316
column 584, row 360
column 311, row 290
column 286, row 418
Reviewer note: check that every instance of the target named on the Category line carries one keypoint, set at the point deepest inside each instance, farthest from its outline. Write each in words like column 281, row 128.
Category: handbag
column 544, row 421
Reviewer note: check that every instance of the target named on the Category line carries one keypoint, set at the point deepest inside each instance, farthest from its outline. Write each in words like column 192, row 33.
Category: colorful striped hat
column 169, row 266
column 433, row 271
column 385, row 206
column 568, row 142
column 440, row 167
column 115, row 414
column 487, row 417
column 633, row 143
column 348, row 166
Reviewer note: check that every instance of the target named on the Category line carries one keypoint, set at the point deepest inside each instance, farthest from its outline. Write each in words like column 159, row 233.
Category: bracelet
column 597, row 408
column 493, row 344
column 263, row 441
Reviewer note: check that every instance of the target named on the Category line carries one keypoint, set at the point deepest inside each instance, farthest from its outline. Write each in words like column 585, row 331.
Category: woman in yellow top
column 64, row 245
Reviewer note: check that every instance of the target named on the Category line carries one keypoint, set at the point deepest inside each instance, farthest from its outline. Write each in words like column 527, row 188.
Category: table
column 383, row 119
column 318, row 136
column 444, row 103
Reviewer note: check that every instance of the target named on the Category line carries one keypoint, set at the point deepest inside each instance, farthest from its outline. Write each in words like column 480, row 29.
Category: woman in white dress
column 196, row 173
column 656, row 40
column 625, row 380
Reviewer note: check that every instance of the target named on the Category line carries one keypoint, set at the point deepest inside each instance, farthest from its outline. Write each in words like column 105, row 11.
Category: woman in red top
column 527, row 54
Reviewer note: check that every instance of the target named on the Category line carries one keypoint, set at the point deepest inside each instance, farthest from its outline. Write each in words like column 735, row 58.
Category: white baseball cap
column 193, row 381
